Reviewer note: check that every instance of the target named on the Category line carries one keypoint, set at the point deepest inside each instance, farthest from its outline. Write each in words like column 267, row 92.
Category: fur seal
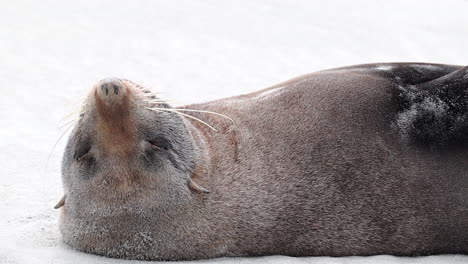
column 360, row 160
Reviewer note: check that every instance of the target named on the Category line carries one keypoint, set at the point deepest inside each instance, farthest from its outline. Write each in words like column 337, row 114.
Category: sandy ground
column 51, row 52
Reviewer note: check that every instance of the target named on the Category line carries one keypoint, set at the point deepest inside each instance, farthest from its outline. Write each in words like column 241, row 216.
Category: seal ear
column 195, row 187
column 61, row 202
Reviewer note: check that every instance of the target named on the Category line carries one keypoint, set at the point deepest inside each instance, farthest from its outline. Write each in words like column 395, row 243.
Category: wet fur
column 326, row 164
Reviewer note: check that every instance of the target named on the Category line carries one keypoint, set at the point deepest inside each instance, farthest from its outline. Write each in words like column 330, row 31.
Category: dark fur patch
column 434, row 117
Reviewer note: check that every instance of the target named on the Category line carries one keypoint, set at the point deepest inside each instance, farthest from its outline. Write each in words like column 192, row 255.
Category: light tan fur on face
column 114, row 124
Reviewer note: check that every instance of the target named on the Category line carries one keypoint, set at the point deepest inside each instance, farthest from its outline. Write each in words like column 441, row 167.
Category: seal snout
column 114, row 121
column 111, row 91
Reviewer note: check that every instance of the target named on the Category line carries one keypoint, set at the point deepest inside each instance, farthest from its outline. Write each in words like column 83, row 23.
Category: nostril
column 105, row 88
column 111, row 90
column 110, row 85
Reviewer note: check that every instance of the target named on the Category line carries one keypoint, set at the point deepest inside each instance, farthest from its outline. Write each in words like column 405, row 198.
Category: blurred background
column 52, row 52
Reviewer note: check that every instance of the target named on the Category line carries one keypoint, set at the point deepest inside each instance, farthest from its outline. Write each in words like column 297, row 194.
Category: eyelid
column 82, row 156
column 81, row 153
column 160, row 144
column 157, row 147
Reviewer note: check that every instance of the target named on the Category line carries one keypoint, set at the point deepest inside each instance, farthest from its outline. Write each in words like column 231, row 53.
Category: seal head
column 122, row 161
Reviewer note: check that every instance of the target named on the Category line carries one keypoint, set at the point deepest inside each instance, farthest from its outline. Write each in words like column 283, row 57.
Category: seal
column 360, row 160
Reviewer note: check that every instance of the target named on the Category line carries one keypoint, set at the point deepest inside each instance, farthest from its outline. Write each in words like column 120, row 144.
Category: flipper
column 436, row 112
column 195, row 187
column 61, row 202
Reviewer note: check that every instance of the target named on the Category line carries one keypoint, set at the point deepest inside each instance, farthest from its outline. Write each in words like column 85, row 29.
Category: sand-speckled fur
column 338, row 162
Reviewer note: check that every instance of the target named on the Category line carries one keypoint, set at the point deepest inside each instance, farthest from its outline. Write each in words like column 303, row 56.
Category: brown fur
column 314, row 166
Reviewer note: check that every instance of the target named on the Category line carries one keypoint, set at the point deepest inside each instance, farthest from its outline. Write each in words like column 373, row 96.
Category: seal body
column 361, row 160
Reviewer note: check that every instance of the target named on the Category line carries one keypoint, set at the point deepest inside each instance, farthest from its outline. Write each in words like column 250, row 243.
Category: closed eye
column 82, row 152
column 160, row 144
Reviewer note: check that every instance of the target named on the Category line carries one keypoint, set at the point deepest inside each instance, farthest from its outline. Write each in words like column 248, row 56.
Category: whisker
column 155, row 109
column 203, row 111
column 150, row 95
column 154, row 101
column 159, row 101
column 68, row 123
column 153, row 98
column 188, row 116
column 142, row 151
column 149, row 92
column 69, row 115
column 53, row 148
column 144, row 155
column 77, row 109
